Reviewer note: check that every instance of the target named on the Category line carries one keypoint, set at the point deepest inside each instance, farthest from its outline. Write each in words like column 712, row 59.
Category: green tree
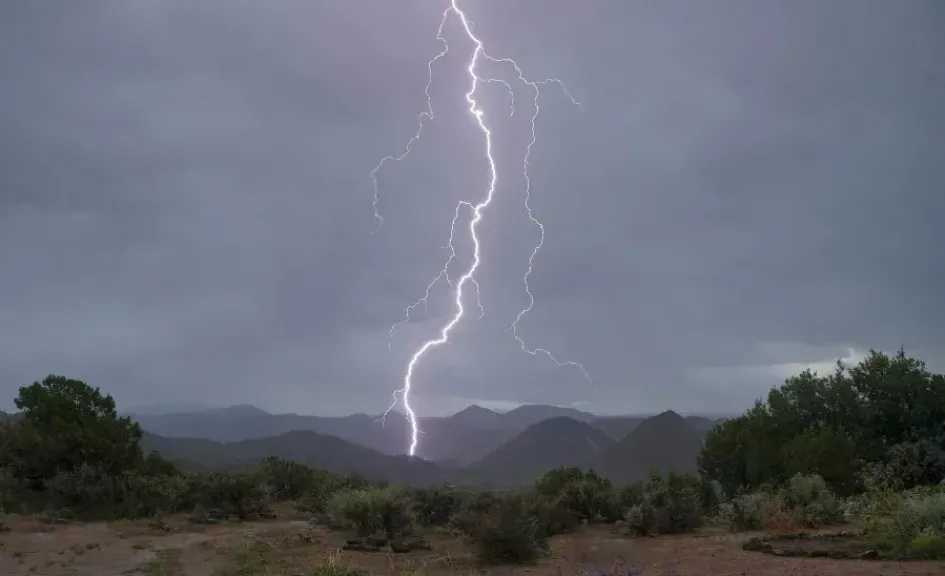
column 832, row 426
column 67, row 424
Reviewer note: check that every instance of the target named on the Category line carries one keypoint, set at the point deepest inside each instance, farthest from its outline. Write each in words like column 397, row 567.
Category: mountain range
column 475, row 445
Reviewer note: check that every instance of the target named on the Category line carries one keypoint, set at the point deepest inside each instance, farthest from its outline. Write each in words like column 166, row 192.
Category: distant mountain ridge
column 459, row 439
column 475, row 444
column 306, row 447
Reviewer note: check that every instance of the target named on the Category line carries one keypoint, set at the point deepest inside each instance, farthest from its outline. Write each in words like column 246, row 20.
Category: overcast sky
column 185, row 210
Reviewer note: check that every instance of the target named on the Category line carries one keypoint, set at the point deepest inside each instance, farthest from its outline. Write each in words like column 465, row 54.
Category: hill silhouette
column 664, row 443
column 303, row 446
column 458, row 440
column 551, row 443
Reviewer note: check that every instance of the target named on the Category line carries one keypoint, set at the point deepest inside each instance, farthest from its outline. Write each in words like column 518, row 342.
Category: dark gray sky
column 185, row 208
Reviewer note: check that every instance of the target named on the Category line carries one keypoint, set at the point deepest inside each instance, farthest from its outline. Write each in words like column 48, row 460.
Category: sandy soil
column 291, row 546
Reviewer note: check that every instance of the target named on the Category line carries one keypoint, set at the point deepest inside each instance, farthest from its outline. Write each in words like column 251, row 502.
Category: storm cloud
column 748, row 188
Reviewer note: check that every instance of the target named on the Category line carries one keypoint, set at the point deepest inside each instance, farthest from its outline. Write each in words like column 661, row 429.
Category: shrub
column 152, row 495
column 437, row 506
column 472, row 510
column 664, row 506
column 805, row 501
column 584, row 495
column 908, row 525
column 909, row 464
column 354, row 509
column 630, row 495
column 509, row 534
column 323, row 486
column 749, row 511
column 553, row 515
column 371, row 510
column 811, row 502
column 87, row 488
column 155, row 465
column 286, row 480
column 240, row 495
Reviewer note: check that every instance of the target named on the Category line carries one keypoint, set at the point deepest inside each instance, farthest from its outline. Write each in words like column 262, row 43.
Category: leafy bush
column 86, row 488
column 371, row 510
column 666, row 506
column 285, row 479
column 909, row 524
column 323, row 486
column 553, row 515
column 749, row 511
column 472, row 510
column 240, row 495
column 148, row 495
column 909, row 464
column 437, row 506
column 509, row 534
column 583, row 494
column 811, row 502
column 805, row 501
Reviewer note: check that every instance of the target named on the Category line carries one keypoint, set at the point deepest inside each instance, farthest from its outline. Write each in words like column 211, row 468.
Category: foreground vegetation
column 862, row 446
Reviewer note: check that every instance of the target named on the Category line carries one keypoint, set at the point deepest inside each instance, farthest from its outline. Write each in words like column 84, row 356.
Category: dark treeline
column 881, row 422
column 865, row 444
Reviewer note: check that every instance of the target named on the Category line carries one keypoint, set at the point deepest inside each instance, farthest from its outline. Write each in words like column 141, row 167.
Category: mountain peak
column 476, row 416
column 243, row 410
column 543, row 446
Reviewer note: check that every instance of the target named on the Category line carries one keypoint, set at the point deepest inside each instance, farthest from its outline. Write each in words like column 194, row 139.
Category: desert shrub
column 396, row 512
column 630, row 495
column 553, row 515
column 805, row 501
column 371, row 510
column 711, row 496
column 473, row 508
column 665, row 505
column 909, row 464
column 437, row 506
column 584, row 494
column 285, row 479
column 149, row 495
column 156, row 465
column 749, row 511
column 354, row 509
column 509, row 534
column 240, row 495
column 908, row 524
column 323, row 486
column 811, row 502
column 87, row 488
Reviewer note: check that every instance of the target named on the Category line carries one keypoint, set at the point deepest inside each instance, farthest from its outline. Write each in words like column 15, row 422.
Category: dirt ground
column 291, row 546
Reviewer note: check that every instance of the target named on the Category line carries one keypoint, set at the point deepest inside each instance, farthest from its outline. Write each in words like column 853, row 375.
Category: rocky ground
column 290, row 545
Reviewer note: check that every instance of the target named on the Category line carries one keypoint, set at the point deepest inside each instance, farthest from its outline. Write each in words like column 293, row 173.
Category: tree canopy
column 835, row 426
column 66, row 424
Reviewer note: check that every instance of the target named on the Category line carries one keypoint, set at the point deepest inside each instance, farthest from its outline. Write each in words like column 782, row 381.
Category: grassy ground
column 289, row 545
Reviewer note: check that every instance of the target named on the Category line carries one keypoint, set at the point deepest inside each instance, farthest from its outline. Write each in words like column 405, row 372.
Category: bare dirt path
column 293, row 547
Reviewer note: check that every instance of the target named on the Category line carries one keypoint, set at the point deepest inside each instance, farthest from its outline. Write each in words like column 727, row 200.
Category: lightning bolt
column 402, row 395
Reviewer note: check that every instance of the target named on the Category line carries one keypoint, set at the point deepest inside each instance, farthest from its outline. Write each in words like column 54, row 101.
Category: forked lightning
column 474, row 211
